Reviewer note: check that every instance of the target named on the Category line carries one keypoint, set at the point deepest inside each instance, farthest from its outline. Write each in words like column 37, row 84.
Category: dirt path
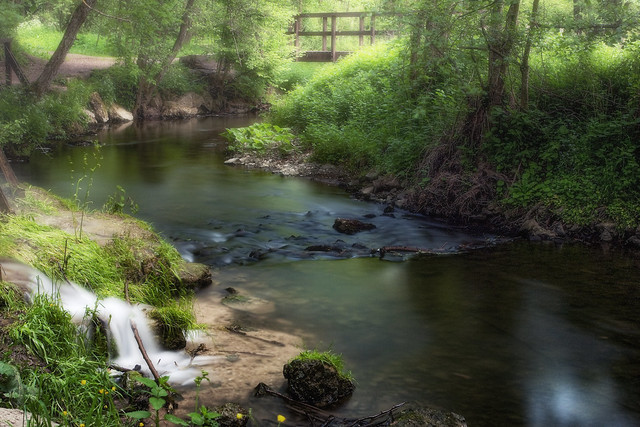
column 75, row 65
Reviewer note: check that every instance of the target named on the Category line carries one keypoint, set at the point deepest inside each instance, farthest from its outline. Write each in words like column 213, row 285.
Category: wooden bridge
column 331, row 33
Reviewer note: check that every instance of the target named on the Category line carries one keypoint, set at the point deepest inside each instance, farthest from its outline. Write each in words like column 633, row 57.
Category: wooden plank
column 373, row 29
column 324, row 30
column 343, row 33
column 11, row 60
column 333, row 38
column 320, row 56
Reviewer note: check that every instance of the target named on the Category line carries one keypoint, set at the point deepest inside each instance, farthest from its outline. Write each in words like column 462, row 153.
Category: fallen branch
column 383, row 250
column 235, row 330
column 145, row 356
column 316, row 414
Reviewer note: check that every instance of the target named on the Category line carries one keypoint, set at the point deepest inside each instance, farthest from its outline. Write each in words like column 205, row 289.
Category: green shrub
column 363, row 112
column 118, row 84
column 180, row 80
column 261, row 139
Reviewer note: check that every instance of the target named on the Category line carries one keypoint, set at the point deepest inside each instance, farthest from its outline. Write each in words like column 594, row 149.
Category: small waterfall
column 116, row 315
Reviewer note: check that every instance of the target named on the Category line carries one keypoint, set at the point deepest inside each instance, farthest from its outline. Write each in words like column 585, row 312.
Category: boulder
column 188, row 105
column 316, row 382
column 194, row 275
column 98, row 108
column 607, row 231
column 351, row 226
column 118, row 114
column 535, row 232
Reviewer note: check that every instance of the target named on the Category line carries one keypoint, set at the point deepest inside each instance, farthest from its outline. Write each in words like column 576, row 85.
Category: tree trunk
column 524, row 67
column 146, row 88
column 51, row 68
column 500, row 44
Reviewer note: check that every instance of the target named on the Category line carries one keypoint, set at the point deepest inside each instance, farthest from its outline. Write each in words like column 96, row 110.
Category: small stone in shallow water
column 351, row 226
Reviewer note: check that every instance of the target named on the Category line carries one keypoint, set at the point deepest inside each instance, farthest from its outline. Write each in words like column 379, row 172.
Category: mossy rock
column 417, row 416
column 317, row 382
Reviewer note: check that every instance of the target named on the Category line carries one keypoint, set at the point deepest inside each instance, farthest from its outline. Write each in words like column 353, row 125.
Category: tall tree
column 78, row 18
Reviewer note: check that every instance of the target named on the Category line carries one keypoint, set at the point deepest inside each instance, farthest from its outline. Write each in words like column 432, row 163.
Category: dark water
column 516, row 334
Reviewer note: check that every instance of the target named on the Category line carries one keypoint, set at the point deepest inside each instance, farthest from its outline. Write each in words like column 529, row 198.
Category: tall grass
column 363, row 112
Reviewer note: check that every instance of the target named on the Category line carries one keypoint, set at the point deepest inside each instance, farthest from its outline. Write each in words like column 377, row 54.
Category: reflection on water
column 515, row 335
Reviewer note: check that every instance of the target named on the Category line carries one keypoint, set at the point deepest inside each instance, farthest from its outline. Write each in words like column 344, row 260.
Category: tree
column 154, row 68
column 78, row 18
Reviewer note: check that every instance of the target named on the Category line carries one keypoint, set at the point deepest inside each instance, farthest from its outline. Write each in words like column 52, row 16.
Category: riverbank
column 539, row 223
column 236, row 352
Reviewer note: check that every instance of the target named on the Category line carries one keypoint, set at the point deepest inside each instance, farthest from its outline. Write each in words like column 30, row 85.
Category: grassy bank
column 572, row 156
column 49, row 367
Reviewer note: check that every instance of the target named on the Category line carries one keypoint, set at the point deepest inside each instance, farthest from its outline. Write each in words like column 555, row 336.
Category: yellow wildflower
column 81, row 425
column 239, row 416
column 83, row 382
column 64, row 413
column 113, row 388
column 281, row 418
column 101, row 391
column 141, row 424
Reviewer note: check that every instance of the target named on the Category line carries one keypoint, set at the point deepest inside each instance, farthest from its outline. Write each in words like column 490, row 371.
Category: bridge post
column 361, row 37
column 333, row 38
column 373, row 29
column 297, row 32
column 324, row 33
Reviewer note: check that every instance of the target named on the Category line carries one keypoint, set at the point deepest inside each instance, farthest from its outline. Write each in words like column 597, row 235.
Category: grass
column 327, row 357
column 65, row 379
column 40, row 40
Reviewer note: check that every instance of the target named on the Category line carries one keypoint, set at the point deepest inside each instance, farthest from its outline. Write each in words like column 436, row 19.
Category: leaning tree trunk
column 51, row 69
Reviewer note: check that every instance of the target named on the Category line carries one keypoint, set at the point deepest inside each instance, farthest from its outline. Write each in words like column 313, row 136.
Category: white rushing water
column 117, row 316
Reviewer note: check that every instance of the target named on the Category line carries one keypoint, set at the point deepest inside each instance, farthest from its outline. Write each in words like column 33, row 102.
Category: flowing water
column 512, row 334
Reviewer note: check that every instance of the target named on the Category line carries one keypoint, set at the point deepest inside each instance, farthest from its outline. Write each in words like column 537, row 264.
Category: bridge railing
column 330, row 32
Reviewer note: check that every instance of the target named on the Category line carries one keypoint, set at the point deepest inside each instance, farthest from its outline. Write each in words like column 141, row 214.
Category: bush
column 117, row 84
column 364, row 112
column 261, row 139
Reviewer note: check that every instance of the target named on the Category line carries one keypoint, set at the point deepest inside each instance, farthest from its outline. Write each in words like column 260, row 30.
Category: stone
column 607, row 231
column 535, row 232
column 351, row 226
column 316, row 383
column 100, row 112
column 118, row 114
column 194, row 275
column 633, row 241
column 427, row 417
column 229, row 415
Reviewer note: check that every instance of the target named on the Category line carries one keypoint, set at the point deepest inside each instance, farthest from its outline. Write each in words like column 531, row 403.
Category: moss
column 328, row 357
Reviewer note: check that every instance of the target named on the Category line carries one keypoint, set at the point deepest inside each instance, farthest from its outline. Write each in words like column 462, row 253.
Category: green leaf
column 196, row 418
column 156, row 402
column 175, row 420
column 138, row 415
column 148, row 382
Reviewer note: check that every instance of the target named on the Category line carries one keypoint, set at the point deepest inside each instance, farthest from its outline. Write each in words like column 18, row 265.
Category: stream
column 505, row 334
